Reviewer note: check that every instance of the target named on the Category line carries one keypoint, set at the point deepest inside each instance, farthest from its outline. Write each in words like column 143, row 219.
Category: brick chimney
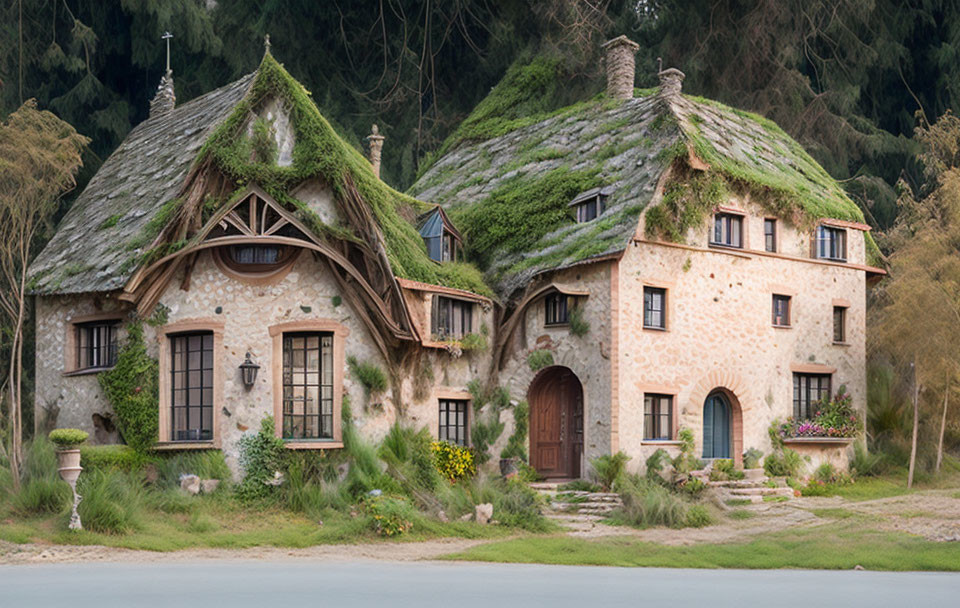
column 621, row 66
column 671, row 82
column 376, row 148
column 165, row 99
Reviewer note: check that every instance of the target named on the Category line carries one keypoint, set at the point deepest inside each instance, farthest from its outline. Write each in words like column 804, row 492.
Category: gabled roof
column 526, row 178
column 93, row 245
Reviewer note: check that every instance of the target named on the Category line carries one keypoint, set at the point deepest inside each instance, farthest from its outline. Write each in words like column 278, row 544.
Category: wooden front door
column 556, row 423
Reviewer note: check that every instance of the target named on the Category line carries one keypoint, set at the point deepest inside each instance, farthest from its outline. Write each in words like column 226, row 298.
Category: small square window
column 809, row 391
column 657, row 417
column 770, row 234
column 96, row 345
column 832, row 243
column 451, row 318
column 453, row 421
column 727, row 230
column 654, row 308
column 839, row 324
column 556, row 309
column 781, row 310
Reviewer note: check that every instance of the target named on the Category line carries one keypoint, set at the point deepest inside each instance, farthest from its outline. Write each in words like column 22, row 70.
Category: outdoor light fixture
column 248, row 371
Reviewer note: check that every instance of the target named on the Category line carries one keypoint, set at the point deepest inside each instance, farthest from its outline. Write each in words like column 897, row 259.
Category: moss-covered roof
column 509, row 193
column 126, row 215
column 94, row 242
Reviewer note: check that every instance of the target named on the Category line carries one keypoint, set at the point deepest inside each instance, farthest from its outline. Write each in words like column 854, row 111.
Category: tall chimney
column 671, row 82
column 376, row 148
column 621, row 66
column 165, row 99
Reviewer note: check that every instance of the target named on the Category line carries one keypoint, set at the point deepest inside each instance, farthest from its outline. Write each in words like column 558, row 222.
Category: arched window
column 256, row 259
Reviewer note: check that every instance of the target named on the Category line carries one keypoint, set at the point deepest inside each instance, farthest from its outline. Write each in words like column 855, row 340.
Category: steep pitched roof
column 94, row 242
column 524, row 180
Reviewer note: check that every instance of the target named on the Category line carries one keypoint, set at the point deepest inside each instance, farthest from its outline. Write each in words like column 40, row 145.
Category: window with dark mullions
column 96, row 345
column 727, row 230
column 451, row 318
column 308, row 385
column 781, row 311
column 808, row 390
column 770, row 234
column 556, row 310
column 453, row 421
column 657, row 417
column 654, row 308
column 839, row 324
column 191, row 383
column 832, row 243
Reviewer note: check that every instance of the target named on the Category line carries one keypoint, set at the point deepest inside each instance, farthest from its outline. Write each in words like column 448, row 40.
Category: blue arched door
column 716, row 426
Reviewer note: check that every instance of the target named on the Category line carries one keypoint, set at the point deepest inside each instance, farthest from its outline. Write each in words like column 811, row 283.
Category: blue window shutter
column 708, row 428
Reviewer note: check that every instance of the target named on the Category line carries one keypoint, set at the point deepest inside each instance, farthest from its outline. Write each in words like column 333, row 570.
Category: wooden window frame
column 842, row 310
column 653, row 417
column 802, row 395
column 725, row 221
column 770, row 240
column 467, row 310
column 788, row 313
column 443, row 424
column 560, row 304
column 653, row 290
column 321, row 381
column 340, row 333
column 71, row 342
column 165, row 358
column 830, row 240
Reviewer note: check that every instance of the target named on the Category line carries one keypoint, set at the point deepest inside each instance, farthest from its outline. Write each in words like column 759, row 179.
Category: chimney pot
column 376, row 148
column 621, row 66
column 671, row 81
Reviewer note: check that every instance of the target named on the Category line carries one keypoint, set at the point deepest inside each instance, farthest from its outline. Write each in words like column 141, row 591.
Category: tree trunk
column 916, row 425
column 943, row 423
column 15, row 384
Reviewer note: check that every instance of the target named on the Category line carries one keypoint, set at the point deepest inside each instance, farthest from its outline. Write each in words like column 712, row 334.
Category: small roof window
column 590, row 204
column 442, row 239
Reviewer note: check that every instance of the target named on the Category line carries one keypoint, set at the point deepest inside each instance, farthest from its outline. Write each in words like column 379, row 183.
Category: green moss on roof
column 320, row 153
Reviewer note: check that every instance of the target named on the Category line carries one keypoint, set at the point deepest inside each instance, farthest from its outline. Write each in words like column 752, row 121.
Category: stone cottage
column 675, row 263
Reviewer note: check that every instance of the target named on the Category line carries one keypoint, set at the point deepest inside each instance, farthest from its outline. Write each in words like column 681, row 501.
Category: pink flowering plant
column 834, row 417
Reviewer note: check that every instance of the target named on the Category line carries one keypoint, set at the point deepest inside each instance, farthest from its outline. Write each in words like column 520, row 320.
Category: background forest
column 862, row 84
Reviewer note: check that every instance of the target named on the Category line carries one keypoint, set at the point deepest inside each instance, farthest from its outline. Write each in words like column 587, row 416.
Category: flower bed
column 834, row 418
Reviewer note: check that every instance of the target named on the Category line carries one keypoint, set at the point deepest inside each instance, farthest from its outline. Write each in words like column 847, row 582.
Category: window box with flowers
column 834, row 421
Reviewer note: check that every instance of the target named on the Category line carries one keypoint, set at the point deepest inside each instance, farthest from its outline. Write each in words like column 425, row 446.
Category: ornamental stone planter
column 69, row 461
column 829, row 441
column 820, row 450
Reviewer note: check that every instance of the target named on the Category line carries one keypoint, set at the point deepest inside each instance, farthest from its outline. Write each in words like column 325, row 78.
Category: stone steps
column 576, row 510
column 764, row 491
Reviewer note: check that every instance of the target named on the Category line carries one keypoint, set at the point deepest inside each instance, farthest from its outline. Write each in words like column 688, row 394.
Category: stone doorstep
column 600, row 507
column 739, row 483
column 575, row 517
column 761, row 492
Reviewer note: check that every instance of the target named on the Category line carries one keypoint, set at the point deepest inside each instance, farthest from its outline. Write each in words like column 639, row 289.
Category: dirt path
column 11, row 553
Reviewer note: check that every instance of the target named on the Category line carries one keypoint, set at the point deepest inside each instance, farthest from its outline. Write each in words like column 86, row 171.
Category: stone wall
column 720, row 335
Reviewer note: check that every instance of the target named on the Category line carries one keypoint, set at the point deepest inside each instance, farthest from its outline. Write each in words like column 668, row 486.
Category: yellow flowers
column 453, row 461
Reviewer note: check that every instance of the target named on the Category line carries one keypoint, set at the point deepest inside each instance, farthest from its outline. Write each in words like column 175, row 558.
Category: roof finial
column 376, row 148
column 659, row 64
column 167, row 36
column 266, row 44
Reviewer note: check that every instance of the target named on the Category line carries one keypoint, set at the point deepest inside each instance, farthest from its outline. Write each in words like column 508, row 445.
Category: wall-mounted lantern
column 248, row 371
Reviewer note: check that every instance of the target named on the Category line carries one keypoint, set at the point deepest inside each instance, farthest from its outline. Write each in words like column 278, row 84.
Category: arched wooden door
column 556, row 423
column 716, row 426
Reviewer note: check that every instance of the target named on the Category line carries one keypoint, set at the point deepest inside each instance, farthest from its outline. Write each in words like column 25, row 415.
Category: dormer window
column 257, row 260
column 439, row 235
column 589, row 205
column 831, row 243
column 451, row 319
column 727, row 230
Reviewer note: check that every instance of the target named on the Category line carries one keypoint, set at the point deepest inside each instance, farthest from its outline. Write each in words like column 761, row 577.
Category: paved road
column 460, row 585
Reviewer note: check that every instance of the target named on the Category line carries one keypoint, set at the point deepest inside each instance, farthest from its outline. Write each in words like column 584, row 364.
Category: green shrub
column 686, row 461
column 205, row 464
column 112, row 502
column 121, row 457
column 783, row 463
column 484, row 433
column 67, row 439
column 655, row 463
column 202, row 524
column 698, row 516
column 825, row 472
column 647, row 503
column 171, row 500
column 692, row 486
column 303, row 495
column 411, row 461
column 723, row 470
column 389, row 515
column 579, row 326
column 261, row 456
column 866, row 464
column 751, row 458
column 580, row 485
column 370, row 376
column 540, row 359
column 41, row 490
column 473, row 342
column 131, row 388
column 608, row 469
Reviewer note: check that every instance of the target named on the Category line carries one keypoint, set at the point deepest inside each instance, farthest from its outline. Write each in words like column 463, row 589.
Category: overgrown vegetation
column 579, row 326
column 517, row 442
column 131, row 387
column 539, row 359
column 370, row 376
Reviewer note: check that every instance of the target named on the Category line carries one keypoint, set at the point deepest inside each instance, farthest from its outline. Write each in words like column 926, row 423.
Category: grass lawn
column 839, row 546
column 221, row 522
